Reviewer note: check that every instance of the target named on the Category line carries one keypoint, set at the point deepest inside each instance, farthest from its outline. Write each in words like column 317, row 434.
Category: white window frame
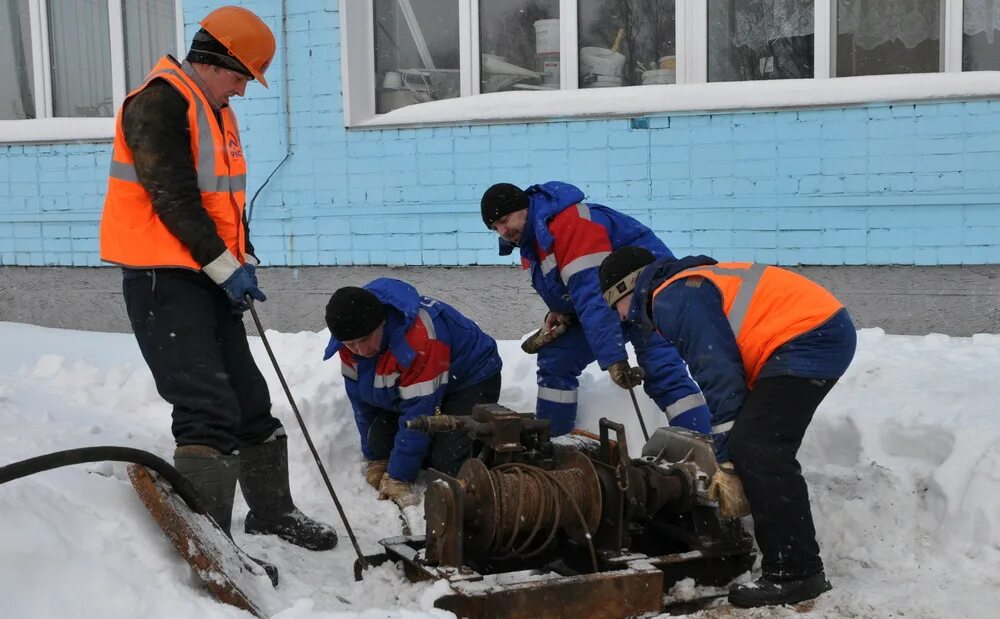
column 47, row 128
column 692, row 93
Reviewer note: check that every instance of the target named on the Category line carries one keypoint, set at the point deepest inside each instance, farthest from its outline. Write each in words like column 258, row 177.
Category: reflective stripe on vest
column 131, row 232
column 208, row 181
column 766, row 307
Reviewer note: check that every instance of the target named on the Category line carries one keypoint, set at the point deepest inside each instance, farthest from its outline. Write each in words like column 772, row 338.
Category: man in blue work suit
column 562, row 241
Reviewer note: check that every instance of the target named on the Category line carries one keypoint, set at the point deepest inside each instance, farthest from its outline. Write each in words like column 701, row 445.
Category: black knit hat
column 619, row 271
column 353, row 313
column 206, row 49
column 501, row 199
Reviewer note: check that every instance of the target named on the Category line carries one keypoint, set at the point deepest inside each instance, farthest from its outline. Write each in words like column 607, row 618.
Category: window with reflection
column 17, row 83
column 760, row 39
column 416, row 52
column 981, row 35
column 627, row 42
column 879, row 37
column 519, row 42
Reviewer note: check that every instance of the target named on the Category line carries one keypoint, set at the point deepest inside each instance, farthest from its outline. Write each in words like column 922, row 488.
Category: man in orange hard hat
column 174, row 221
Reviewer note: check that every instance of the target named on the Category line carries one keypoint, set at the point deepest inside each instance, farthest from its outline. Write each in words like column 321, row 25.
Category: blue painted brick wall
column 878, row 184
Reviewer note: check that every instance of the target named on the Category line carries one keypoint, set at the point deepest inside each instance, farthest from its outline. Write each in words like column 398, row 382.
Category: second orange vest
column 132, row 234
column 766, row 306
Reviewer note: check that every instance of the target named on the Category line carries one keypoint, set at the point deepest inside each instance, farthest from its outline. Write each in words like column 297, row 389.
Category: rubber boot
column 767, row 592
column 264, row 481
column 214, row 476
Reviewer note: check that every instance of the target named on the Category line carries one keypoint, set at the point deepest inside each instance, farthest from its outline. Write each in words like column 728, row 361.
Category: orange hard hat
column 245, row 35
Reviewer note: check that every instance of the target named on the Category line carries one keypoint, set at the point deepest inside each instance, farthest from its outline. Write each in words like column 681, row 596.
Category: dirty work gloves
column 555, row 325
column 626, row 376
column 727, row 489
column 237, row 280
column 376, row 469
column 400, row 492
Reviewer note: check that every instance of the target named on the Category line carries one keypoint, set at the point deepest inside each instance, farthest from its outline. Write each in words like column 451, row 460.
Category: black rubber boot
column 214, row 476
column 766, row 592
column 264, row 481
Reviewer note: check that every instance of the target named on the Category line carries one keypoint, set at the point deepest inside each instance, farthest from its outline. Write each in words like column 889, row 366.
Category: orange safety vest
column 132, row 234
column 766, row 306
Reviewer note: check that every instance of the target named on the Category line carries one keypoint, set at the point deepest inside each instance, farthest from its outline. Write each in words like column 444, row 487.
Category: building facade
column 822, row 132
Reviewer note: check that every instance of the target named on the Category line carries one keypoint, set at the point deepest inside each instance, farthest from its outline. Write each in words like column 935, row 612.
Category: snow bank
column 903, row 461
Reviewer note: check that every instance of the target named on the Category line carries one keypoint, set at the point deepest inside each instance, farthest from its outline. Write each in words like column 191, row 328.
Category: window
column 416, row 52
column 627, row 43
column 538, row 51
column 981, row 35
column 71, row 62
column 878, row 37
column 760, row 40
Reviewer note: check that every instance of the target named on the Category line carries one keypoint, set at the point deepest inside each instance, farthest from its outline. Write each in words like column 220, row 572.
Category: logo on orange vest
column 235, row 150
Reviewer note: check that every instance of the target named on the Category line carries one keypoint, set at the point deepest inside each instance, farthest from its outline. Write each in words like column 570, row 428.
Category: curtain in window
column 80, row 56
column 982, row 16
column 765, row 20
column 874, row 22
column 150, row 33
column 17, row 92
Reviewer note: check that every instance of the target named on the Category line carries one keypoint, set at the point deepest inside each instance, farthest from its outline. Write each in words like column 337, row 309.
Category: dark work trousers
column 763, row 444
column 198, row 353
column 448, row 449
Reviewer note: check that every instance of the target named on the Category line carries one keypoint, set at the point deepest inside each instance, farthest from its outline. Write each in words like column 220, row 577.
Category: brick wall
column 878, row 184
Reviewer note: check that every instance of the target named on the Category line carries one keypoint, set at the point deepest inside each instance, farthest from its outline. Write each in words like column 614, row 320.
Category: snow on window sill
column 691, row 99
column 55, row 130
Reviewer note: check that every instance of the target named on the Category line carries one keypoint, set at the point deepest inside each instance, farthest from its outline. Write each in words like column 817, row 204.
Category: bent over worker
column 405, row 356
column 766, row 345
column 562, row 240
column 174, row 221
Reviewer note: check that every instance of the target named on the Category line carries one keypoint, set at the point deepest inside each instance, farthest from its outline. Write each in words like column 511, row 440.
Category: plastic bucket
column 659, row 76
column 668, row 63
column 547, row 36
column 601, row 61
column 548, row 66
column 393, row 80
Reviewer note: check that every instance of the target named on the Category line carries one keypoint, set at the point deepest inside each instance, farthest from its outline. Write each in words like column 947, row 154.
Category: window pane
column 760, row 40
column 981, row 39
column 150, row 33
column 17, row 84
column 80, row 53
column 519, row 41
column 878, row 37
column 627, row 42
column 416, row 52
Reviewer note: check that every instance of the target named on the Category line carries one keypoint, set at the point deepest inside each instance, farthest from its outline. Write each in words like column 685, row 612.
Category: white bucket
column 547, row 36
column 393, row 81
column 601, row 61
column 548, row 66
column 659, row 76
column 606, row 81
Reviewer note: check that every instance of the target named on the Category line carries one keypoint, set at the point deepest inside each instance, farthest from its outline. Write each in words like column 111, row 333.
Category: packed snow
column 903, row 462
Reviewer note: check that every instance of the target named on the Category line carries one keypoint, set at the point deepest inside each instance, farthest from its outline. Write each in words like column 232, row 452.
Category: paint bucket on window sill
column 659, row 76
column 548, row 67
column 668, row 63
column 601, row 61
column 547, row 36
column 393, row 81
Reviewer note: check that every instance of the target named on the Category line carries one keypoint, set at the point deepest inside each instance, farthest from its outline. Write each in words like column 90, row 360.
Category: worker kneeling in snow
column 766, row 345
column 405, row 356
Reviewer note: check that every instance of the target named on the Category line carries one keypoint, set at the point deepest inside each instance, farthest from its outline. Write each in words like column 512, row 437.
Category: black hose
column 184, row 488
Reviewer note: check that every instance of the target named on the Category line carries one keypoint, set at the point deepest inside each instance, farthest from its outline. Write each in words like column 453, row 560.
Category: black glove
column 626, row 376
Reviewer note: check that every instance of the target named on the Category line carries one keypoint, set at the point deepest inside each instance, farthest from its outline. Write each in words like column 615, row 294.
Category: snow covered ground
column 903, row 461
